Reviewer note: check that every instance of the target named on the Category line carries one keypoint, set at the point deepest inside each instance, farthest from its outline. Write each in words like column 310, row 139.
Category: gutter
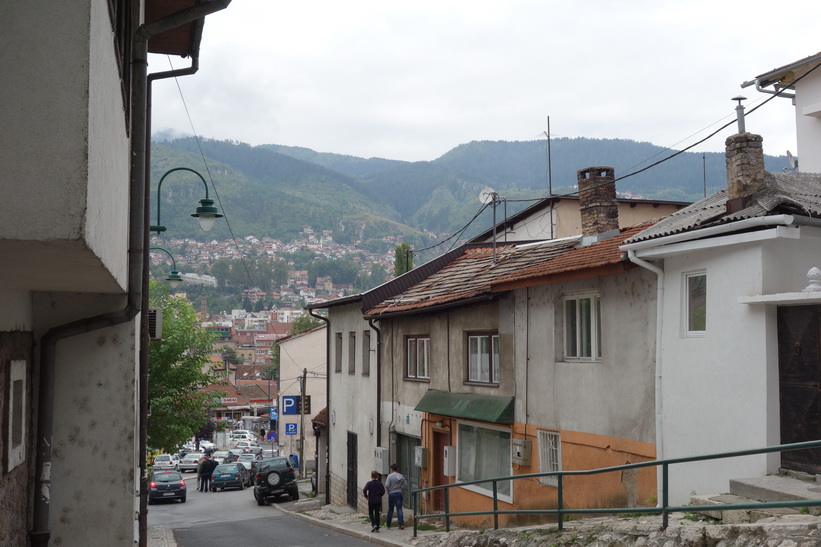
column 757, row 222
column 327, row 402
column 378, row 383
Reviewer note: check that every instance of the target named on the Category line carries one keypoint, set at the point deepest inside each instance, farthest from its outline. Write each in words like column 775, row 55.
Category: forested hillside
column 273, row 190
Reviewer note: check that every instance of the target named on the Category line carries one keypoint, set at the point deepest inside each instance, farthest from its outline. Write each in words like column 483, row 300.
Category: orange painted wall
column 580, row 451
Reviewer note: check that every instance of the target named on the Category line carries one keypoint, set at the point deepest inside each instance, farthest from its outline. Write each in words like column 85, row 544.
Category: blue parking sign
column 290, row 429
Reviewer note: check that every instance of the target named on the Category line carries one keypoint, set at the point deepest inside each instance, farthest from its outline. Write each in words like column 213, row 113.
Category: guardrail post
column 415, row 511
column 447, row 509
column 665, row 514
column 559, row 514
column 495, row 506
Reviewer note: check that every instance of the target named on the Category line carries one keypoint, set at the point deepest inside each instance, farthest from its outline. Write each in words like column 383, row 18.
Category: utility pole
column 302, row 423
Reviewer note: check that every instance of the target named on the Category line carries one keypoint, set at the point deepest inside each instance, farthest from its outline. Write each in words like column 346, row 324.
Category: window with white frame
column 484, row 452
column 550, row 455
column 695, row 304
column 418, row 358
column 483, row 358
column 16, row 417
column 582, row 327
column 366, row 352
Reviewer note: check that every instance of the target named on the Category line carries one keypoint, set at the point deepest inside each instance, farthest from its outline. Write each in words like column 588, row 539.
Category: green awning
column 486, row 408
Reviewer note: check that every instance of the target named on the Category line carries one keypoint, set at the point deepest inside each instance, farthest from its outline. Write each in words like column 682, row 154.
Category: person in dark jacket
column 374, row 490
column 208, row 466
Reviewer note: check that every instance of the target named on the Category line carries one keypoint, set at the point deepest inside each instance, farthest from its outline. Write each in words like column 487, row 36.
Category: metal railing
column 560, row 511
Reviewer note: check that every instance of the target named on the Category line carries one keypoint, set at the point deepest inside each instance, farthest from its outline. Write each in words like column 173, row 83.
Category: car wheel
column 241, row 485
column 213, row 488
column 295, row 494
column 182, row 499
column 260, row 501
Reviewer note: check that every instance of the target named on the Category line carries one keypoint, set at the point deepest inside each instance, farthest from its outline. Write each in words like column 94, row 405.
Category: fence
column 663, row 507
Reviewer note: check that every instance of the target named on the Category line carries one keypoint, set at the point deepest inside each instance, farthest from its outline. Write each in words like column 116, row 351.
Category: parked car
column 250, row 445
column 166, row 485
column 167, row 462
column 190, row 461
column 207, row 445
column 224, row 456
column 248, row 461
column 238, row 433
column 274, row 477
column 230, row 475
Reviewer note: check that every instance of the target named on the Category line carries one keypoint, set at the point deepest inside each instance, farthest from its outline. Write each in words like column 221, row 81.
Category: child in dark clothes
column 374, row 490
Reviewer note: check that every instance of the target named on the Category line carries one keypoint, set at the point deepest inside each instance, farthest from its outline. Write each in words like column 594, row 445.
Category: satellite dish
column 487, row 195
column 792, row 160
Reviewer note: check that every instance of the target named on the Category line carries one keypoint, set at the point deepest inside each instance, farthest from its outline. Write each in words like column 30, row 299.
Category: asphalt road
column 232, row 517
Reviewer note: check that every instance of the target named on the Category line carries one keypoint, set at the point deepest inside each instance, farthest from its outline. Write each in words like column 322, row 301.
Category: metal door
column 352, row 480
column 800, row 384
column 405, row 447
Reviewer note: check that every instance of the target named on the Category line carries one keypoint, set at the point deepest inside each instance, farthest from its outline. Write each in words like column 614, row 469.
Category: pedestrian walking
column 208, row 466
column 374, row 490
column 394, row 485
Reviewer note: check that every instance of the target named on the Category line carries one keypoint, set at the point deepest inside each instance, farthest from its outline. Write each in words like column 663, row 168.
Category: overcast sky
column 412, row 80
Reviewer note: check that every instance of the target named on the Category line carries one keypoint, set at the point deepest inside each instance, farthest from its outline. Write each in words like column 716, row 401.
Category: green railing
column 663, row 507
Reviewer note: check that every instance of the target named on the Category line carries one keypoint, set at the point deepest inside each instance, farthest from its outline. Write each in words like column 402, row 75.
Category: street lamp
column 174, row 278
column 206, row 212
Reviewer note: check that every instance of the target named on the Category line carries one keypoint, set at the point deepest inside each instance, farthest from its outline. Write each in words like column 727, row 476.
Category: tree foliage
column 402, row 259
column 303, row 323
column 177, row 368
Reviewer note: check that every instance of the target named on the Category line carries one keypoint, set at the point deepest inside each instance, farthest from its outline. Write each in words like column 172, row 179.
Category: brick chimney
column 597, row 200
column 745, row 169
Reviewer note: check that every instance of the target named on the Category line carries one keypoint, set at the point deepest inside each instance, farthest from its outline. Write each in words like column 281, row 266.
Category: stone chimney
column 597, row 200
column 745, row 169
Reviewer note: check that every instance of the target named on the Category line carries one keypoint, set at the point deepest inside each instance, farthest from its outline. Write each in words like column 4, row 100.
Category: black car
column 166, row 485
column 274, row 478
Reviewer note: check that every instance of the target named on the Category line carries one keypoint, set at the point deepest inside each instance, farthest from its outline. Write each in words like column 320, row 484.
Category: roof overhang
column 183, row 40
column 785, row 76
column 485, row 408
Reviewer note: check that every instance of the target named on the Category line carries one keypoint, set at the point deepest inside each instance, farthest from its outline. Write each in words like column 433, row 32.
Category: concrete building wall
column 613, row 397
column 302, row 351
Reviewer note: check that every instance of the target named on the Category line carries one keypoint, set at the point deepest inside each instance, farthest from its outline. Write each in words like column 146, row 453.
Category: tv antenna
column 793, row 161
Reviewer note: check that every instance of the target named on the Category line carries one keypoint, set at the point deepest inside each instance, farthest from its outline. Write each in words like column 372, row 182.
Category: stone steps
column 761, row 489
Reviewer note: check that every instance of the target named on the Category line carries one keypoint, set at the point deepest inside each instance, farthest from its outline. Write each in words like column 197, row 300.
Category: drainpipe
column 140, row 136
column 327, row 402
column 378, row 383
column 631, row 255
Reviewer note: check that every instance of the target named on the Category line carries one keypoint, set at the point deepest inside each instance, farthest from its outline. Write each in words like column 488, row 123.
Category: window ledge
column 420, row 380
column 784, row 298
column 483, row 384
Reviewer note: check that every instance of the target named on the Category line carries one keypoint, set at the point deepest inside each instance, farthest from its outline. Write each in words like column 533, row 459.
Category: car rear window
column 162, row 458
column 226, row 468
column 276, row 463
column 167, row 477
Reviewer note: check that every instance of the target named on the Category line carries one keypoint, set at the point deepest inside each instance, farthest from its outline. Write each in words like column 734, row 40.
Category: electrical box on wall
column 420, row 457
column 381, row 460
column 449, row 461
column 520, row 451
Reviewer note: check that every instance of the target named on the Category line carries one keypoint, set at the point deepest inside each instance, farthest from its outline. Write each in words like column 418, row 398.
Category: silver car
column 189, row 461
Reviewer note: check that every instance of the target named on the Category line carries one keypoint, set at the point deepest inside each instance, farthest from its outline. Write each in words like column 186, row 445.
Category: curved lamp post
column 174, row 278
column 206, row 212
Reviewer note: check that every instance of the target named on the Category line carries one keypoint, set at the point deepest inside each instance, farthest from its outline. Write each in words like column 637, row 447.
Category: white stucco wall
column 352, row 402
column 720, row 391
column 808, row 123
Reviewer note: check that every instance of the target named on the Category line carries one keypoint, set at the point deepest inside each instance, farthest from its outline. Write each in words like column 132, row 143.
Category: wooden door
column 799, row 333
column 352, row 478
column 440, row 441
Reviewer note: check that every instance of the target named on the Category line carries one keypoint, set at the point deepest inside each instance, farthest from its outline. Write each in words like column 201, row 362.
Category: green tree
column 230, row 355
column 402, row 259
column 176, row 371
column 303, row 323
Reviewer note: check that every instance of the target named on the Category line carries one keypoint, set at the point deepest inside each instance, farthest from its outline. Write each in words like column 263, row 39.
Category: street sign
column 272, row 413
column 290, row 404
column 272, row 436
column 290, row 429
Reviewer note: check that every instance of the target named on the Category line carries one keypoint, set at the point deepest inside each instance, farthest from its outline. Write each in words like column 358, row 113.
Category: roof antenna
column 489, row 195
column 739, row 112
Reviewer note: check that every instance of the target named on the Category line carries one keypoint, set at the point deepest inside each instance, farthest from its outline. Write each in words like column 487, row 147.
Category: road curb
column 372, row 538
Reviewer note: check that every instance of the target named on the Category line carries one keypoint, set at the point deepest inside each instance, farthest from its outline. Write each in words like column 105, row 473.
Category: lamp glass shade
column 174, row 279
column 207, row 221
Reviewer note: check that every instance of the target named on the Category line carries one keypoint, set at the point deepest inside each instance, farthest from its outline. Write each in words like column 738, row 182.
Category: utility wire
column 208, row 171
